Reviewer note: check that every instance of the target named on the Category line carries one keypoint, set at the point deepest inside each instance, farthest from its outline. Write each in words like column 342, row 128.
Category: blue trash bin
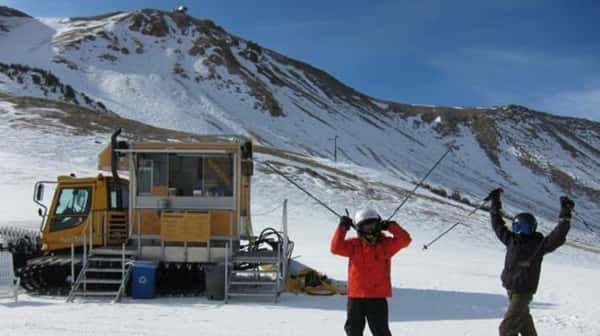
column 143, row 280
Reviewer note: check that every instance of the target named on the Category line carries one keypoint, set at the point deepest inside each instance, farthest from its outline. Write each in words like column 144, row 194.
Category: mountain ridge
column 176, row 71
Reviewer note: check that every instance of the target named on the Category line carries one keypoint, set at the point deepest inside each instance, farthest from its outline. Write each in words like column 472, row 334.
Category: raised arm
column 503, row 234
column 400, row 240
column 339, row 244
column 558, row 236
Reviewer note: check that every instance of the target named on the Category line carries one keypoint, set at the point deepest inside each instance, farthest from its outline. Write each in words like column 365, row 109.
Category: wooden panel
column 197, row 227
column 219, row 223
column 181, row 227
column 150, row 221
column 171, row 227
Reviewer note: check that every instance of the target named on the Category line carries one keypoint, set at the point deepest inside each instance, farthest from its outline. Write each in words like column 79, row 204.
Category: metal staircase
column 262, row 279
column 258, row 273
column 105, row 273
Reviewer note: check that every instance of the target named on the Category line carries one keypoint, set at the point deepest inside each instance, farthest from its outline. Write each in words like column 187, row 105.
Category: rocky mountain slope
column 176, row 71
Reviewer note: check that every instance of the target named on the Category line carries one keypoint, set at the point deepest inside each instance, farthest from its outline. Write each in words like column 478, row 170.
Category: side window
column 114, row 195
column 72, row 208
column 201, row 175
column 218, row 176
column 145, row 177
column 153, row 174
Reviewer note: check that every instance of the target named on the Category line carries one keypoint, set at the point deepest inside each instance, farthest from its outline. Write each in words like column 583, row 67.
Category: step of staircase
column 255, row 282
column 95, row 293
column 258, row 257
column 90, row 282
column 101, row 281
column 104, row 270
column 108, row 251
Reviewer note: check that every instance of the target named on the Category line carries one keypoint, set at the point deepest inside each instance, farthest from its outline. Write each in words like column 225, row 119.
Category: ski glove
column 566, row 207
column 494, row 197
column 385, row 224
column 345, row 222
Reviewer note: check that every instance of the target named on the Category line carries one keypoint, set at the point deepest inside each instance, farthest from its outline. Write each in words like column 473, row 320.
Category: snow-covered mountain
column 179, row 72
column 66, row 84
column 451, row 289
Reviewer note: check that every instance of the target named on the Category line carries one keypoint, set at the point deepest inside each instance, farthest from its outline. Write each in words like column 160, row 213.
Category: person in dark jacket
column 369, row 267
column 525, row 249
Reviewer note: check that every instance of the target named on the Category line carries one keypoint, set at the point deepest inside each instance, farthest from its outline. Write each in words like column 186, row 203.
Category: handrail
column 86, row 239
column 286, row 239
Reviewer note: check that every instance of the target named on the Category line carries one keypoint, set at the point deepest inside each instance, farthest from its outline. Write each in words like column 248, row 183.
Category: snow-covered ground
column 451, row 289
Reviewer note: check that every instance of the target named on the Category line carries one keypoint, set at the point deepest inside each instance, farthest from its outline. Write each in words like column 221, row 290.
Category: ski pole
column 280, row 173
column 420, row 182
column 426, row 246
column 584, row 222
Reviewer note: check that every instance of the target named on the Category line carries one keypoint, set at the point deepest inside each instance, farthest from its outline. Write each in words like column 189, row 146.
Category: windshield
column 72, row 208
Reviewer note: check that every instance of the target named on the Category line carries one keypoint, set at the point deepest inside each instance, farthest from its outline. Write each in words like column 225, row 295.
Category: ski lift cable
column 584, row 221
column 410, row 194
column 264, row 213
column 280, row 173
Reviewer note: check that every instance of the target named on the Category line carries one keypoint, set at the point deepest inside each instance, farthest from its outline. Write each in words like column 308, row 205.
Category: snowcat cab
column 81, row 204
column 185, row 200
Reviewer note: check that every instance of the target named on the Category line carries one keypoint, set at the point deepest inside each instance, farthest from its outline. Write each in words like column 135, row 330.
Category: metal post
column 231, row 231
column 209, row 257
column 277, row 277
column 90, row 233
column 105, row 228
column 72, row 265
column 123, row 262
column 139, row 234
column 84, row 248
column 83, row 265
column 185, row 251
column 335, row 148
column 226, row 272
column 284, row 224
column 132, row 192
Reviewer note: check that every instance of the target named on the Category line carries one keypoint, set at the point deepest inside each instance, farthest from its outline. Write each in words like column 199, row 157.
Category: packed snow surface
column 451, row 289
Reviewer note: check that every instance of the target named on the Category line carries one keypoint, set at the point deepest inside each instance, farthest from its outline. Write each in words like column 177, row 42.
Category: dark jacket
column 370, row 264
column 524, row 253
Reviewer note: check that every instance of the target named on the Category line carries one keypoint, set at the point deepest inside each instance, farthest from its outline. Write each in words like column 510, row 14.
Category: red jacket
column 370, row 264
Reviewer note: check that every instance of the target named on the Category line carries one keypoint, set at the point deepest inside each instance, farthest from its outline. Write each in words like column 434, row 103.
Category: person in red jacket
column 369, row 279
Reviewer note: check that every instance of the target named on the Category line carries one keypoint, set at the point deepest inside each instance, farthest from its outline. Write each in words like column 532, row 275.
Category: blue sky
column 542, row 54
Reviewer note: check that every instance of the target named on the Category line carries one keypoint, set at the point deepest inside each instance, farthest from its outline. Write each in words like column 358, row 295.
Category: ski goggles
column 521, row 228
column 369, row 226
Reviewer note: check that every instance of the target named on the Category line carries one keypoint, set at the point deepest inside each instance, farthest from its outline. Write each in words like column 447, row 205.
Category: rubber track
column 50, row 275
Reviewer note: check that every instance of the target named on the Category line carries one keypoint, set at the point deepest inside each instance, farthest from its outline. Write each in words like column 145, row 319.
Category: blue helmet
column 524, row 223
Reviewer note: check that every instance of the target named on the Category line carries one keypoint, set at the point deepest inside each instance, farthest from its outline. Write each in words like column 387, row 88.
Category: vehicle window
column 153, row 174
column 72, row 208
column 201, row 175
column 113, row 196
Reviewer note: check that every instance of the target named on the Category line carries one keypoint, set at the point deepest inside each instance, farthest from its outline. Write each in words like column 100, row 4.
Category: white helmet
column 364, row 215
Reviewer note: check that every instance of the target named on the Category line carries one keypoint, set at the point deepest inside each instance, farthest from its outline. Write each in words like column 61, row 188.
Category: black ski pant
column 374, row 310
column 518, row 320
